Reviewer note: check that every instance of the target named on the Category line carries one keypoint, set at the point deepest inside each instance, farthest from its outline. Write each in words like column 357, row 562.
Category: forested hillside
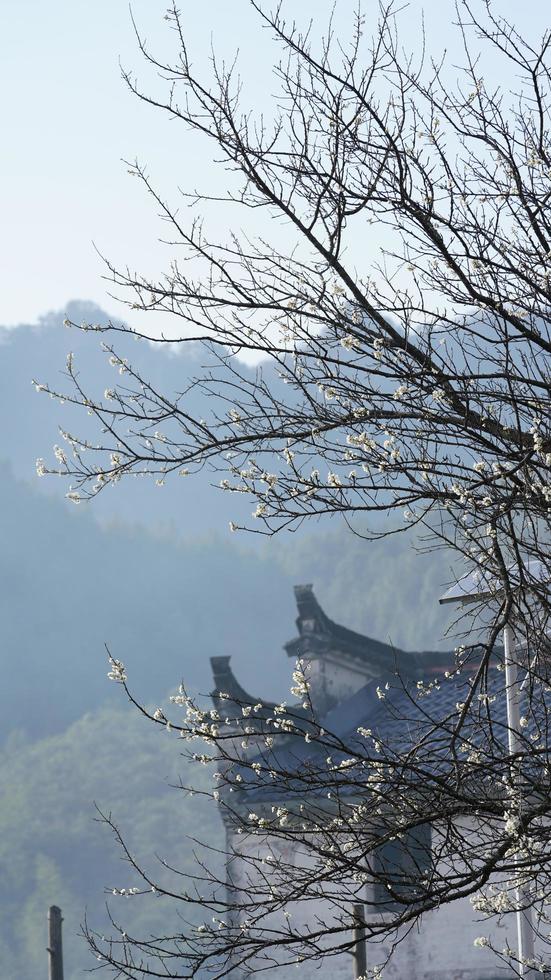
column 54, row 850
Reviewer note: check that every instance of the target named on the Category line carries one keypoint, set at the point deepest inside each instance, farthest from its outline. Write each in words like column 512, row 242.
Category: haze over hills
column 162, row 605
column 166, row 602
column 39, row 351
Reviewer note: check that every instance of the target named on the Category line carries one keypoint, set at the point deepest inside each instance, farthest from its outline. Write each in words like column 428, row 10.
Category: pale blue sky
column 67, row 119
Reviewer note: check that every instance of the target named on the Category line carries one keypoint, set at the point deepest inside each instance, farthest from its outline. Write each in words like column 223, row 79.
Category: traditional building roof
column 398, row 720
column 225, row 682
column 319, row 636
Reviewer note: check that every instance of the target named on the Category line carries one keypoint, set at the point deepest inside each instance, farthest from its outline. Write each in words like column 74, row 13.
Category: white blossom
column 400, row 392
column 117, row 672
column 350, row 342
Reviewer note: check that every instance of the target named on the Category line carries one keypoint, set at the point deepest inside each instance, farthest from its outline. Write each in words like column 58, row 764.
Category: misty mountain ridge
column 39, row 351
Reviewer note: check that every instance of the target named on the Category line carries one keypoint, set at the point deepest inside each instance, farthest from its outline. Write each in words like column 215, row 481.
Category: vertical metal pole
column 55, row 950
column 360, row 958
column 524, row 915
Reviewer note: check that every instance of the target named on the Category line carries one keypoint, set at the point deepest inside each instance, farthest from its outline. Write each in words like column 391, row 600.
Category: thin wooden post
column 55, row 949
column 359, row 954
